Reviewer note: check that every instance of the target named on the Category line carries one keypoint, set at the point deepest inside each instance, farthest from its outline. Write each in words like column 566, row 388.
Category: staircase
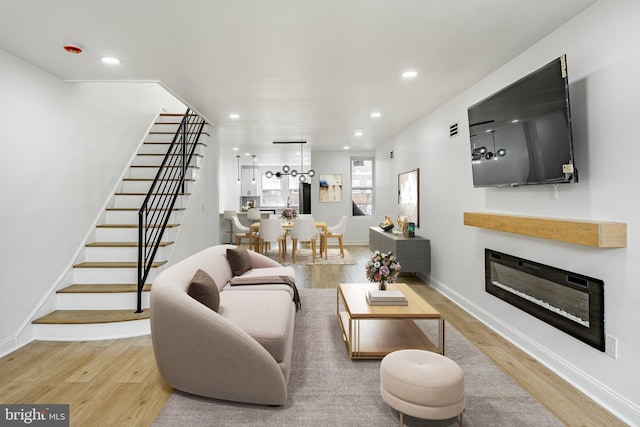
column 101, row 301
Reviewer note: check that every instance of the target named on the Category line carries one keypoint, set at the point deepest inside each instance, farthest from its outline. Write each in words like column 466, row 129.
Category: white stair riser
column 168, row 119
column 150, row 173
column 131, row 201
column 167, row 137
column 91, row 332
column 148, row 148
column 103, row 301
column 131, row 217
column 129, row 234
column 144, row 186
column 109, row 275
column 120, row 254
column 156, row 160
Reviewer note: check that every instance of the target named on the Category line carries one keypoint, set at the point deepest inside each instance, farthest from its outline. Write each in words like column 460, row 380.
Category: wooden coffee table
column 373, row 331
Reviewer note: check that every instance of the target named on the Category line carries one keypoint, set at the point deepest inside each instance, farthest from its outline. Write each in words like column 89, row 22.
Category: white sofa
column 240, row 353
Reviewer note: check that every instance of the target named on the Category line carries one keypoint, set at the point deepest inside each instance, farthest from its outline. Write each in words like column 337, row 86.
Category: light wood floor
column 116, row 383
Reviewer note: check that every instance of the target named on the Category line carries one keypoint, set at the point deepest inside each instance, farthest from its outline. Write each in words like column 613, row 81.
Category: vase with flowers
column 288, row 214
column 383, row 269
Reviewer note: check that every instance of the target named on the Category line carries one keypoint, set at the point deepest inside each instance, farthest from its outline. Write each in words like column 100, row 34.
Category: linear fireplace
column 571, row 302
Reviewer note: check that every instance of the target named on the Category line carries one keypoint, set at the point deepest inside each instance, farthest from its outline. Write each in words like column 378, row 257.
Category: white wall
column 603, row 55
column 339, row 162
column 62, row 147
column 200, row 225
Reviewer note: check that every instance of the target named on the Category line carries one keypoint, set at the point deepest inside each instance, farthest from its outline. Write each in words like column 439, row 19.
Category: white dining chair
column 304, row 230
column 336, row 231
column 270, row 231
column 242, row 232
column 254, row 214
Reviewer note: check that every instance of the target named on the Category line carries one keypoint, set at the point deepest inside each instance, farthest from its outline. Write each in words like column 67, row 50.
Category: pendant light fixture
column 286, row 170
column 238, row 160
column 253, row 180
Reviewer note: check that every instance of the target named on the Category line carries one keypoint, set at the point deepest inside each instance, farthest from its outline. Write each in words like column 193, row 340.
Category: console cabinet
column 414, row 253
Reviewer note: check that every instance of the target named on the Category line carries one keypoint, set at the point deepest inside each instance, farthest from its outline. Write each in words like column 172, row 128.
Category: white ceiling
column 309, row 70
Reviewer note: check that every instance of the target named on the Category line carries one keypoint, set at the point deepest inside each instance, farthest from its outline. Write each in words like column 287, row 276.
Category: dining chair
column 271, row 230
column 242, row 232
column 336, row 231
column 254, row 214
column 304, row 229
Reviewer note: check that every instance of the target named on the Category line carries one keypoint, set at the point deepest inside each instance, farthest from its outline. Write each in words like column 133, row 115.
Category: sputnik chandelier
column 286, row 170
column 481, row 152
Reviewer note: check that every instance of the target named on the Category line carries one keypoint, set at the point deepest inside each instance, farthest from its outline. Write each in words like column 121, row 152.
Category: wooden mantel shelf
column 598, row 234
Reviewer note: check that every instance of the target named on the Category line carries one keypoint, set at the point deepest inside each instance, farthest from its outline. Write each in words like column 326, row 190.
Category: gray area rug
column 326, row 388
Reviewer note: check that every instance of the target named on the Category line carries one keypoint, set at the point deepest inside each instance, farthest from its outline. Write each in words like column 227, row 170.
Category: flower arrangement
column 288, row 214
column 382, row 267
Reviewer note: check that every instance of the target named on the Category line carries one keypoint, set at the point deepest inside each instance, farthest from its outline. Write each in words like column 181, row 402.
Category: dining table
column 288, row 225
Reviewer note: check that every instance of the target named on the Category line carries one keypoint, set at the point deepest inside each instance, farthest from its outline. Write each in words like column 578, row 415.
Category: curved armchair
column 246, row 374
column 336, row 231
column 304, row 229
column 207, row 353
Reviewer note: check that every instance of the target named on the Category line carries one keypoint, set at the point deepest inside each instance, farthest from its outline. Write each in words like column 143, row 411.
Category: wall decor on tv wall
column 409, row 195
column 330, row 188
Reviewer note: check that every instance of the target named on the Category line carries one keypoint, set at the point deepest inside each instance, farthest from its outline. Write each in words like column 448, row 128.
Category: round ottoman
column 422, row 384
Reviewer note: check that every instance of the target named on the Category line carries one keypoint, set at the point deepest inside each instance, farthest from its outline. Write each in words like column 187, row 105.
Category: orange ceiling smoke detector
column 76, row 49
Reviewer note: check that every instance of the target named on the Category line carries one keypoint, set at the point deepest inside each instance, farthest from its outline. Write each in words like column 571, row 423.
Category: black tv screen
column 522, row 134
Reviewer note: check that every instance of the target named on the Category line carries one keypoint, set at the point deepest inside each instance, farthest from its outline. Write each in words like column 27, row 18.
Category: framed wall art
column 330, row 188
column 409, row 195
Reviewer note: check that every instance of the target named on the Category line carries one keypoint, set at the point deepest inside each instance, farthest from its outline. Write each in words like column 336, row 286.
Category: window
column 271, row 191
column 362, row 186
column 279, row 192
column 294, row 192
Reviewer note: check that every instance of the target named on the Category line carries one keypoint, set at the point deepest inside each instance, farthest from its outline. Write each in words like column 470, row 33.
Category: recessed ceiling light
column 110, row 60
column 235, row 148
column 234, row 116
column 358, row 133
column 375, row 114
column 515, row 121
column 409, row 74
column 346, row 147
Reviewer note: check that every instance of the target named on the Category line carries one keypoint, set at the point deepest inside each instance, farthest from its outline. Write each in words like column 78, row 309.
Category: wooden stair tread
column 153, row 194
column 81, row 317
column 177, row 115
column 137, row 209
column 115, row 264
column 134, row 226
column 157, row 166
column 173, row 133
column 151, row 179
column 168, row 143
column 164, row 154
column 120, row 244
column 109, row 288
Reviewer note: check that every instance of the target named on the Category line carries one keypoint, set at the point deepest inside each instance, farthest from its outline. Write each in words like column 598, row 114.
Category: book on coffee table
column 390, row 297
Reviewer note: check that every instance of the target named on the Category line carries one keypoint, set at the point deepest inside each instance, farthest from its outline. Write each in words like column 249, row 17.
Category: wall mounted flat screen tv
column 522, row 134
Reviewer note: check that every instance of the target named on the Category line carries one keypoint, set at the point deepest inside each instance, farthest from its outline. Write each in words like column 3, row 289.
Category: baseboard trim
column 609, row 399
column 8, row 345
